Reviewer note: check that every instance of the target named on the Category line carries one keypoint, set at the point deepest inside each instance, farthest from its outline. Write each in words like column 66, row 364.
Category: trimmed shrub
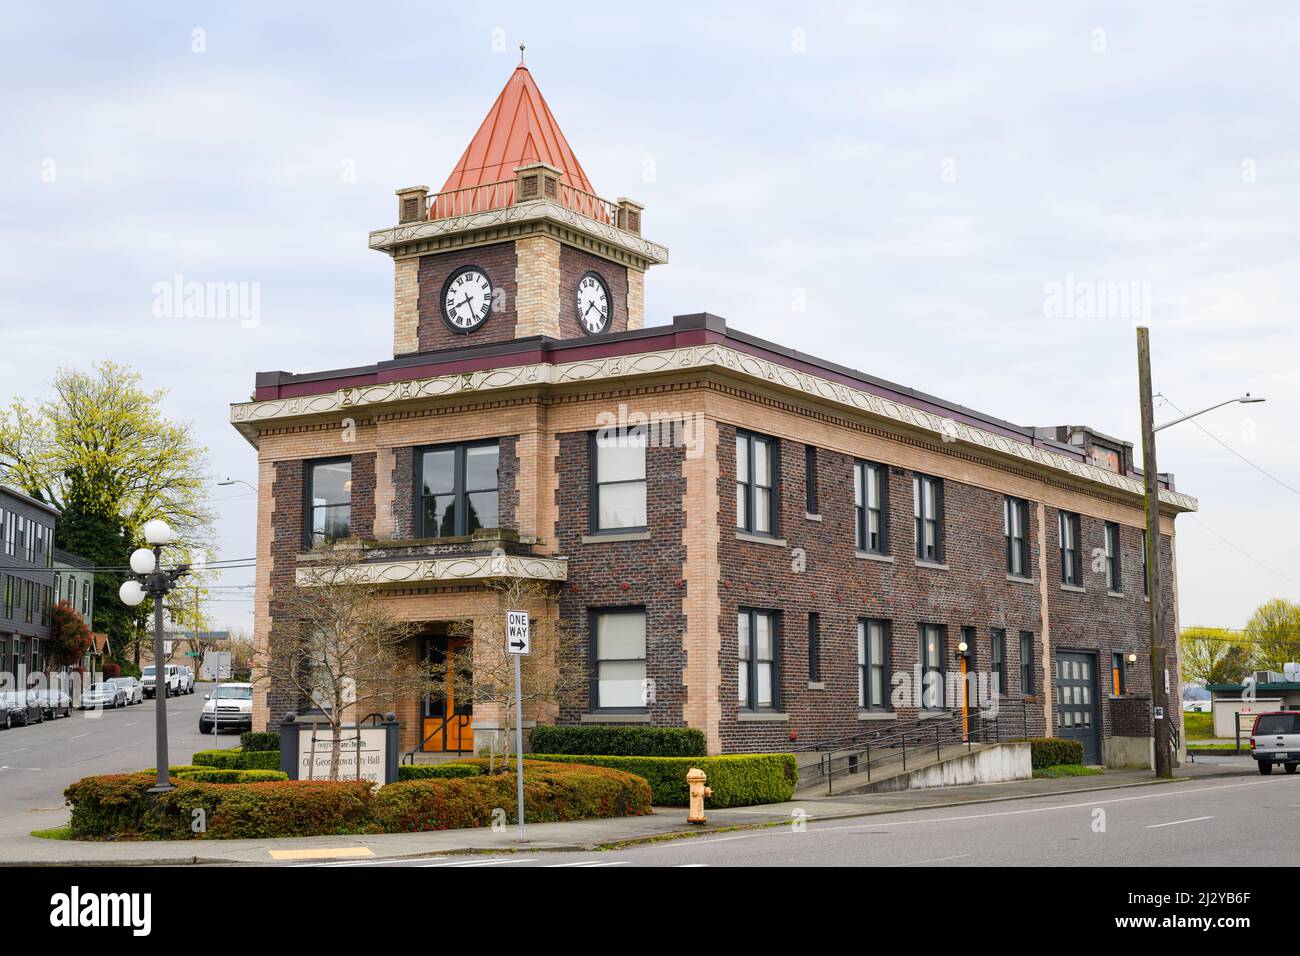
column 552, row 792
column 120, row 806
column 213, row 775
column 1053, row 751
column 260, row 740
column 737, row 780
column 437, row 771
column 623, row 741
column 238, row 759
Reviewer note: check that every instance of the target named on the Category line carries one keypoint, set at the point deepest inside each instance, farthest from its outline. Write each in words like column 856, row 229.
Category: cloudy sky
column 899, row 187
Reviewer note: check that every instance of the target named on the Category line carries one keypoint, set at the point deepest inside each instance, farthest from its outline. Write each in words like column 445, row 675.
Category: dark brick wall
column 1094, row 620
column 286, row 544
column 508, row 483
column 363, row 495
column 631, row 573
column 575, row 262
column 843, row 588
column 1130, row 716
column 498, row 261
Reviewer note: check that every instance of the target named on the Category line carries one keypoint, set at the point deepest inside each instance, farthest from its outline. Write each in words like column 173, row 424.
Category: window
column 1026, row 663
column 1069, row 535
column 932, row 665
column 1114, row 580
column 85, row 597
column 757, row 634
column 618, row 484
column 457, row 489
column 1146, row 582
column 869, row 511
column 1014, row 512
column 873, row 661
column 755, row 484
column 927, row 506
column 9, row 600
column 810, row 478
column 329, row 501
column 998, row 661
column 46, row 606
column 58, row 585
column 618, row 659
column 814, row 646
column 1117, row 674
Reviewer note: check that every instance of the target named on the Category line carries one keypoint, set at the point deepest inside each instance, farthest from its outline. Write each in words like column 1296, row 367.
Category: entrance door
column 448, row 721
column 1076, row 702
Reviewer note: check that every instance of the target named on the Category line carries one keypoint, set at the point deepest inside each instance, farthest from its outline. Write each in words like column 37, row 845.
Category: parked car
column 134, row 689
column 1275, row 739
column 21, row 709
column 171, row 675
column 107, row 694
column 53, row 702
column 229, row 707
column 185, row 679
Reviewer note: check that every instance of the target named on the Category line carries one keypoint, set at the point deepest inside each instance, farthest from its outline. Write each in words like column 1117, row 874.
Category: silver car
column 134, row 689
column 1275, row 739
column 103, row 696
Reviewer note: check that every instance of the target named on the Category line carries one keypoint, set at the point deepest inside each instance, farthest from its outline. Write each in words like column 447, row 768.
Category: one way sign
column 517, row 635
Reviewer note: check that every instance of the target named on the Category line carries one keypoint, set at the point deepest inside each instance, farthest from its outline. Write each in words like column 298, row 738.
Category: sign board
column 518, row 636
column 1159, row 713
column 167, row 648
column 368, row 752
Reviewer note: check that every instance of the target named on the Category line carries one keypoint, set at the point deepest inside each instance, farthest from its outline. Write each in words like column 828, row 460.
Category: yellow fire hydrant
column 696, row 779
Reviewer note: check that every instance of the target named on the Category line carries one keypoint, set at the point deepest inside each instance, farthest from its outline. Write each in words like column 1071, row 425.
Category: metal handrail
column 957, row 729
column 498, row 195
column 462, row 720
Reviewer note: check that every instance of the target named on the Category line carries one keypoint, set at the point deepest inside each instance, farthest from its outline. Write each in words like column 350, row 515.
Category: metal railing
column 498, row 195
column 1007, row 723
column 461, row 721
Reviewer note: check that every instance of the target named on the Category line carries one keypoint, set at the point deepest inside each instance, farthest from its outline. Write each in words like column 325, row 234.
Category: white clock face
column 467, row 299
column 593, row 303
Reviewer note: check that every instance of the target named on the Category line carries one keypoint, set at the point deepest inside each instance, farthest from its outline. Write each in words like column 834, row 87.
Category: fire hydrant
column 695, row 778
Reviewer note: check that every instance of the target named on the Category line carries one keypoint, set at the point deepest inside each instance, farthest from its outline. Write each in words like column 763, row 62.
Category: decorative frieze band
column 451, row 570
column 249, row 415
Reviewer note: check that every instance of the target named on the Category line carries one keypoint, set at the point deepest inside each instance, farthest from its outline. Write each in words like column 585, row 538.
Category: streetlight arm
column 1232, row 401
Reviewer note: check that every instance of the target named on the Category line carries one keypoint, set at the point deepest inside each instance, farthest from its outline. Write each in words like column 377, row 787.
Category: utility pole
column 1156, row 607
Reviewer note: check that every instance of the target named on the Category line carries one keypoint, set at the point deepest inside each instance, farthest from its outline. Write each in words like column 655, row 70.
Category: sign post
column 518, row 643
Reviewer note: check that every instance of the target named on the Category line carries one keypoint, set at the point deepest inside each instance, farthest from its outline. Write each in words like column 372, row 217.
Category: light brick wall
column 406, row 306
column 537, row 281
column 702, row 673
column 635, row 299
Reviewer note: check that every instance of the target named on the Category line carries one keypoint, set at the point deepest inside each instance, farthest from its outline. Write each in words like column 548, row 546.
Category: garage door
column 1076, row 702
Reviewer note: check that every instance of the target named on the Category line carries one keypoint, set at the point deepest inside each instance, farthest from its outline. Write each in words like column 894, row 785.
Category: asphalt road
column 1250, row 821
column 38, row 762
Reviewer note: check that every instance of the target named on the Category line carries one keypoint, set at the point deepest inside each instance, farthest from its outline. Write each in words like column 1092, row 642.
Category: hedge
column 119, row 806
column 1053, row 751
column 213, row 775
column 552, row 792
column 436, row 771
column 260, row 740
column 238, row 759
column 622, row 741
column 738, row 780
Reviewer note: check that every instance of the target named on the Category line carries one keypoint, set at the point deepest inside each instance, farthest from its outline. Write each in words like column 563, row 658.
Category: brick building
column 749, row 540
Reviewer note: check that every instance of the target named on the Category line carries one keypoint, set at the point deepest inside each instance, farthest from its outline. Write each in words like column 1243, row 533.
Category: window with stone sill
column 329, row 501
column 755, row 484
column 618, row 480
column 758, row 642
column 618, row 659
column 457, row 489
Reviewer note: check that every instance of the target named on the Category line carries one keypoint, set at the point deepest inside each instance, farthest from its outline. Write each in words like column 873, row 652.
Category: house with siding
column 775, row 548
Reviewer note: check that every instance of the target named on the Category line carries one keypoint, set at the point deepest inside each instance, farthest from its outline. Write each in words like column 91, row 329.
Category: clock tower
column 517, row 243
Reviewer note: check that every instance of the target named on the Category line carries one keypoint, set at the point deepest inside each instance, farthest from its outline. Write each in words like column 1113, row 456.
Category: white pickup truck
column 1275, row 739
column 172, row 676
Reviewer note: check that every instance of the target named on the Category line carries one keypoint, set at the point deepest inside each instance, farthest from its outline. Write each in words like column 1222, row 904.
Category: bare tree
column 483, row 670
column 338, row 645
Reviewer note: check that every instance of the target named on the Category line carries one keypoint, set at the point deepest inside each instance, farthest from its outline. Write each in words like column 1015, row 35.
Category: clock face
column 466, row 299
column 593, row 303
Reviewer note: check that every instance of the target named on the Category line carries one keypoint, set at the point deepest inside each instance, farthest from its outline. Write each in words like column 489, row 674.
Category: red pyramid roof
column 519, row 129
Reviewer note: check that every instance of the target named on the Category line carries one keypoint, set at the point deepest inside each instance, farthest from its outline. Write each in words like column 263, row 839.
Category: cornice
column 248, row 417
column 451, row 570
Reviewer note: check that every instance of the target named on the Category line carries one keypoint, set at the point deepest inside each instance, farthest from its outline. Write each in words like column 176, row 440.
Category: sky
column 928, row 192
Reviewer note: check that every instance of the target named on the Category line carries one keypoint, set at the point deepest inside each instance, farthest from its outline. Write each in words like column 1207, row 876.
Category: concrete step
column 421, row 757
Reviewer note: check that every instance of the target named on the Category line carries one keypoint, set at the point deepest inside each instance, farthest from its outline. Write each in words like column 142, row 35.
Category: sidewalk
column 579, row 835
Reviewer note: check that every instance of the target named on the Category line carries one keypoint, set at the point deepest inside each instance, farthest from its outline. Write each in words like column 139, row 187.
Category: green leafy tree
column 1213, row 655
column 102, row 452
column 1274, row 629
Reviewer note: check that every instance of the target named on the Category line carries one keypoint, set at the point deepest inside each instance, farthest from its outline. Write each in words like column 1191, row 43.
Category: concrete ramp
column 952, row 766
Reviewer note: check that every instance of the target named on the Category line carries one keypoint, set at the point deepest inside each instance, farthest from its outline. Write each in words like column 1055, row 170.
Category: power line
column 1244, row 553
column 1266, row 474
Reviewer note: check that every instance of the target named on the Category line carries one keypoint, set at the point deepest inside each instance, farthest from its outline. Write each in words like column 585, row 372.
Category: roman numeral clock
column 466, row 299
column 593, row 303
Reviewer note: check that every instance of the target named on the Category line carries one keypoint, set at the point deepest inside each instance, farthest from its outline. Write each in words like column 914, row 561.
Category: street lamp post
column 1151, row 495
column 151, row 580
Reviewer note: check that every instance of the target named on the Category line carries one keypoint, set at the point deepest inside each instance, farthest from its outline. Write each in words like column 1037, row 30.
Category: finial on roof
column 521, row 54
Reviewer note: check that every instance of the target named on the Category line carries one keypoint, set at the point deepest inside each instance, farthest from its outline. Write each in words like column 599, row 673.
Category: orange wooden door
column 452, row 728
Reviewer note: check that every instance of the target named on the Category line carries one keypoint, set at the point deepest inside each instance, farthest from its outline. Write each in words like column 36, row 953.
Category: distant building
column 183, row 647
